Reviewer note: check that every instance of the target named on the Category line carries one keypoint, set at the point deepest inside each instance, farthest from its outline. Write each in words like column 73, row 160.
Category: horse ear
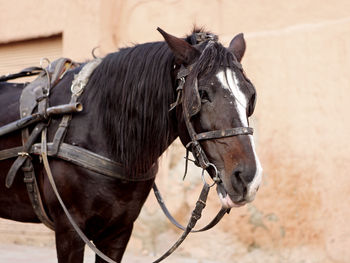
column 237, row 46
column 185, row 54
column 183, row 51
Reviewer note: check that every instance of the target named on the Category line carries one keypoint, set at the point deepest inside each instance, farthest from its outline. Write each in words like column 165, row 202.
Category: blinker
column 187, row 94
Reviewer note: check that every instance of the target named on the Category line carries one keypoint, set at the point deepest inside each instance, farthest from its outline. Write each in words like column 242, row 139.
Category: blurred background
column 298, row 57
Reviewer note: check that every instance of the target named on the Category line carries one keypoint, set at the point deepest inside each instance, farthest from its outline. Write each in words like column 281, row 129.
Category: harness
column 36, row 94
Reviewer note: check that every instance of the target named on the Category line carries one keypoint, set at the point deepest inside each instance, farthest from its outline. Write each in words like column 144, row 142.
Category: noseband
column 194, row 146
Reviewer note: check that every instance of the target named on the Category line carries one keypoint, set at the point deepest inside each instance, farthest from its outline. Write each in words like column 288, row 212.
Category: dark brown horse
column 126, row 118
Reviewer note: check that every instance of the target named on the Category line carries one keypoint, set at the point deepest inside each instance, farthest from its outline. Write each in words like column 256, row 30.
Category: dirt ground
column 33, row 254
column 34, row 243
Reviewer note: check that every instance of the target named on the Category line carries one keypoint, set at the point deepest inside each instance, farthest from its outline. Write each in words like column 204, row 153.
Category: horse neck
column 134, row 104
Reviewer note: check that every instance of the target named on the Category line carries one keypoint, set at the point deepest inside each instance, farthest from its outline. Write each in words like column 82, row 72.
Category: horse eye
column 204, row 96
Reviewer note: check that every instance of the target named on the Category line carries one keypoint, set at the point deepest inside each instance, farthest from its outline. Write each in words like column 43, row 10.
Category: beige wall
column 22, row 19
column 21, row 54
column 298, row 57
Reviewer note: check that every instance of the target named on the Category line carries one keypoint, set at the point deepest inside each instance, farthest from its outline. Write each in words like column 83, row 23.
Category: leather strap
column 27, row 72
column 34, row 194
column 60, row 133
column 58, row 69
column 54, row 188
column 62, row 130
column 217, row 134
column 94, row 162
column 196, row 215
column 84, row 158
column 23, row 154
column 165, row 210
column 10, row 153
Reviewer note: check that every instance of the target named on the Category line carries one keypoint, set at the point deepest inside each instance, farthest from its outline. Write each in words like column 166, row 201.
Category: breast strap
column 84, row 158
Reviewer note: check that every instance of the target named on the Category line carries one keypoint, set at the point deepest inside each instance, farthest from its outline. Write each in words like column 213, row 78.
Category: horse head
column 216, row 101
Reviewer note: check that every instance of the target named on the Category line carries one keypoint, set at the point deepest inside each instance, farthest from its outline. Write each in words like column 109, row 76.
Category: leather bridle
column 194, row 146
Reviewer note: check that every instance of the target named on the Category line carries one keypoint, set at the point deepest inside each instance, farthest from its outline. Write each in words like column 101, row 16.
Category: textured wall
column 22, row 19
column 298, row 57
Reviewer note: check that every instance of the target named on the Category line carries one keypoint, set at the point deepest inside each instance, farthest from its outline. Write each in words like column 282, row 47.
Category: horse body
column 126, row 119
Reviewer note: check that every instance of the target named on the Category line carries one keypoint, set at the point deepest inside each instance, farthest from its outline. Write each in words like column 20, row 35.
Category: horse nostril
column 238, row 183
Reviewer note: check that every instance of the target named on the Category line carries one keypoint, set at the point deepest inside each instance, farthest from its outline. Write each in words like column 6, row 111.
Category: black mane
column 133, row 89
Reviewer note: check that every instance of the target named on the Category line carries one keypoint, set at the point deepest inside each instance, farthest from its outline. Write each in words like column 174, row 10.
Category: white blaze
column 230, row 82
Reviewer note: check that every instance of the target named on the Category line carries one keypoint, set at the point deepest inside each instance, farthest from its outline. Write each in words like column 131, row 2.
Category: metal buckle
column 77, row 88
column 24, row 154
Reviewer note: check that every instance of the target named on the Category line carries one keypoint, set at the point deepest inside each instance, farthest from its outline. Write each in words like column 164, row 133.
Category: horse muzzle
column 235, row 192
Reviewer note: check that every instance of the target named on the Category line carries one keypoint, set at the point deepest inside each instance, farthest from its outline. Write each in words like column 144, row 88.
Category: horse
column 126, row 118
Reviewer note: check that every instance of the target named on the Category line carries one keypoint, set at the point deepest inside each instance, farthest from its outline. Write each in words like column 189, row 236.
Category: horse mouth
column 226, row 200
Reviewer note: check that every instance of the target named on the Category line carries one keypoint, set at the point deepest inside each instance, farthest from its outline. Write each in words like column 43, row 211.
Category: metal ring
column 42, row 60
column 77, row 88
column 216, row 177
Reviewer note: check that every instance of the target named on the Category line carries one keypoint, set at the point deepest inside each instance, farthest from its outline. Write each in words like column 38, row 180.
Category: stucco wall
column 22, row 19
column 298, row 57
